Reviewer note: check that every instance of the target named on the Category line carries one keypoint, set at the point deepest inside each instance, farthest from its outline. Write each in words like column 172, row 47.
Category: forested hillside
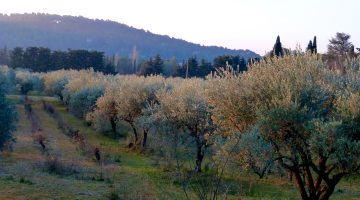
column 63, row 32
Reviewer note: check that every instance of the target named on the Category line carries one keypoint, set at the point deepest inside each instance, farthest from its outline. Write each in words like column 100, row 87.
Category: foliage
column 278, row 49
column 40, row 59
column 108, row 36
column 124, row 99
column 339, row 50
column 312, row 46
column 340, row 45
column 191, row 68
column 83, row 79
column 103, row 117
column 54, row 164
column 55, row 81
column 252, row 153
column 27, row 81
column 83, row 101
column 236, row 62
column 188, row 69
column 9, row 78
column 7, row 117
column 300, row 108
column 289, row 112
column 152, row 66
column 183, row 105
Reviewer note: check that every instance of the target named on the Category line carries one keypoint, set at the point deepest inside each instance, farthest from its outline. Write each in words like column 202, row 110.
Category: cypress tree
column 152, row 66
column 314, row 46
column 310, row 47
column 278, row 50
column 158, row 65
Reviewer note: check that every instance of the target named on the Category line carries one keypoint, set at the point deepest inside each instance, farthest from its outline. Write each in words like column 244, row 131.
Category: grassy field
column 25, row 172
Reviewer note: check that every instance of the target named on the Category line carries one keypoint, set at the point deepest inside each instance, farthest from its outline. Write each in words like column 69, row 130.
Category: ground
column 25, row 172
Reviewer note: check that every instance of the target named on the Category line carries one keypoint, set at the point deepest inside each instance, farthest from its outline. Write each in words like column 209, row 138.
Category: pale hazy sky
column 240, row 24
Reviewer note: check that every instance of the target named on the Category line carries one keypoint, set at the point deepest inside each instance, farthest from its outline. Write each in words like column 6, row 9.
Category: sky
column 235, row 24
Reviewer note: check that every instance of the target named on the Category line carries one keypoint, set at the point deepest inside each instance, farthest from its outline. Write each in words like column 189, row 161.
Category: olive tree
column 83, row 101
column 103, row 117
column 184, row 106
column 27, row 81
column 81, row 79
column 308, row 114
column 55, row 82
column 9, row 78
column 125, row 99
column 7, row 116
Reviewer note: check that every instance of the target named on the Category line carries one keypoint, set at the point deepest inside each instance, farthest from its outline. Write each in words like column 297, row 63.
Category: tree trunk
column 300, row 185
column 144, row 142
column 199, row 154
column 331, row 186
column 61, row 98
column 135, row 132
column 113, row 125
column 42, row 144
column 329, row 190
column 310, row 183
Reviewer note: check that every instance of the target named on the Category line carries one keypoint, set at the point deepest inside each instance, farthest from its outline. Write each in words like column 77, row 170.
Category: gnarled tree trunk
column 144, row 139
column 113, row 125
column 200, row 152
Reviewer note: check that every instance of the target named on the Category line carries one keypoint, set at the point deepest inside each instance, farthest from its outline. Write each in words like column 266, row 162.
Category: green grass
column 130, row 175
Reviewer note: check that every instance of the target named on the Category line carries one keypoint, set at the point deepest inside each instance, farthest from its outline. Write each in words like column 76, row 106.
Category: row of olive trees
column 78, row 90
column 292, row 111
column 21, row 80
column 8, row 115
column 13, row 81
column 145, row 103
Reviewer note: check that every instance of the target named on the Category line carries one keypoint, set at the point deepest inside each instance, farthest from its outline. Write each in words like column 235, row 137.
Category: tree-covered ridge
column 63, row 32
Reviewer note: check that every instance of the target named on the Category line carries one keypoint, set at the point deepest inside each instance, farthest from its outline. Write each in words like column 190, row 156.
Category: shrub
column 40, row 138
column 55, row 165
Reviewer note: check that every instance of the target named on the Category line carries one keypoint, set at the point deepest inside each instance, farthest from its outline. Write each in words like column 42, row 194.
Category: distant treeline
column 191, row 67
column 42, row 59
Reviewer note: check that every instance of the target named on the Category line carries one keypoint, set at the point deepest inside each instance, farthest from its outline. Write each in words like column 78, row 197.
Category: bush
column 40, row 138
column 54, row 165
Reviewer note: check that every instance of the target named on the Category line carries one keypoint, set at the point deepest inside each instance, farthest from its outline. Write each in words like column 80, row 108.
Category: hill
column 64, row 32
